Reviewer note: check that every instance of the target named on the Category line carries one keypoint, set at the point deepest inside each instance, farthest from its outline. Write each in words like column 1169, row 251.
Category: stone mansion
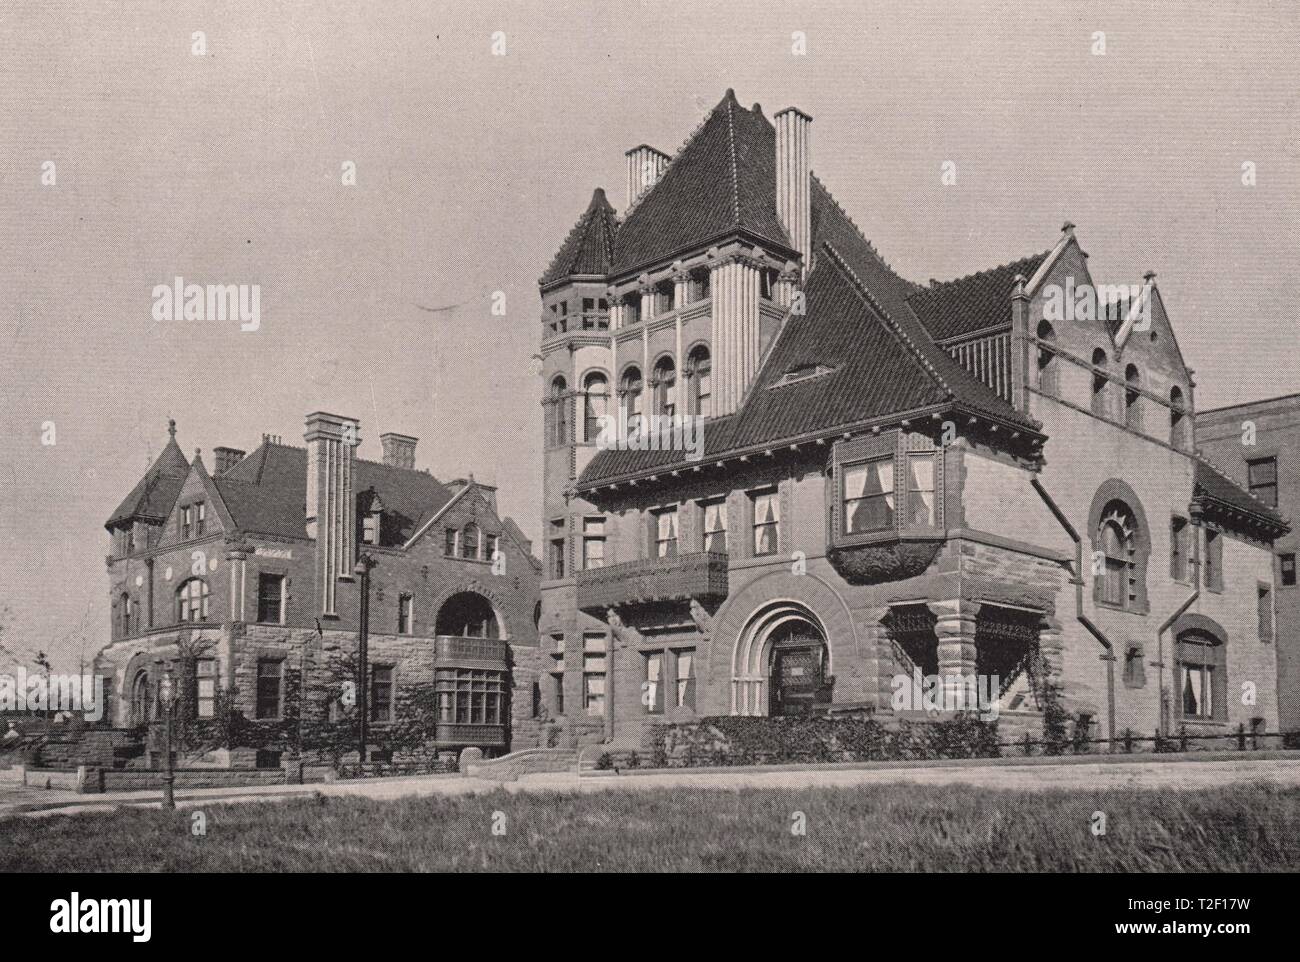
column 946, row 478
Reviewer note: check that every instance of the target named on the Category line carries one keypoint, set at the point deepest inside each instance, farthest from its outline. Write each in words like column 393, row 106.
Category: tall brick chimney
column 226, row 458
column 331, row 503
column 793, row 178
column 644, row 166
column 399, row 449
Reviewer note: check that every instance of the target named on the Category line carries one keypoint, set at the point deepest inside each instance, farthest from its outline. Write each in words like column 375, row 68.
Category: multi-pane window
column 493, row 544
column 715, row 524
column 270, row 598
column 370, row 528
column 187, row 521
column 1286, row 564
column 405, row 614
column 193, row 600
column 381, row 693
column 557, row 691
column 767, row 519
column 1178, row 532
column 1213, row 560
column 664, row 523
column 470, row 696
column 593, row 673
column 1263, row 480
column 1200, row 663
column 665, row 382
column 920, row 489
column 205, row 687
column 124, row 615
column 869, row 495
column 593, row 543
column 559, row 412
column 1117, row 561
column 556, row 559
column 595, row 405
column 270, row 678
column 452, row 539
column 632, row 399
column 653, row 689
column 469, row 541
column 684, row 694
column 701, row 368
column 200, row 517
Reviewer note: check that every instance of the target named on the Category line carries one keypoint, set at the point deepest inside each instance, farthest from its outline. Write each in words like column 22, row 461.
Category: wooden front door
column 797, row 676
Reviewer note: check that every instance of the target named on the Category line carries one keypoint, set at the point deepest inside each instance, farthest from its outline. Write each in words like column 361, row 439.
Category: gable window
column 595, row 394
column 665, row 385
column 593, row 543
column 653, row 689
column 270, row 598
column 593, row 673
column 1201, row 683
column 766, row 512
column 270, row 676
column 559, row 413
column 1047, row 365
column 1265, row 611
column 869, row 495
column 192, row 600
column 205, row 687
column 1286, row 564
column 187, row 522
column 405, row 614
column 200, row 517
column 1116, row 572
column 1100, row 382
column 493, row 546
column 700, row 372
column 1132, row 398
column 685, row 690
column 1178, row 548
column 469, row 541
column 714, row 517
column 1213, row 560
column 631, row 392
column 1262, row 476
column 453, row 539
column 557, row 549
column 664, row 529
column 381, row 693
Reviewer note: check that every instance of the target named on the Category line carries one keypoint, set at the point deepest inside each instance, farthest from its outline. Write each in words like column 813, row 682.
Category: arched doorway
column 782, row 663
column 141, row 703
column 467, row 614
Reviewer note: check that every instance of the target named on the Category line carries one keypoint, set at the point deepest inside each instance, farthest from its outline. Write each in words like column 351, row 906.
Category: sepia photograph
column 632, row 437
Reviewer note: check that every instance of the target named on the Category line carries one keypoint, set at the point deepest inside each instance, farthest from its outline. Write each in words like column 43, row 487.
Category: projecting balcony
column 454, row 651
column 701, row 576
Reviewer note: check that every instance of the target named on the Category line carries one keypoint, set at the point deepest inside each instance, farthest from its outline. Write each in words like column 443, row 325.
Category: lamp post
column 167, row 694
column 364, row 564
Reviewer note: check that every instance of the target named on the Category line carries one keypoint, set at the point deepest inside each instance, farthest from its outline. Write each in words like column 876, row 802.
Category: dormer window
column 802, row 373
column 370, row 528
column 371, row 510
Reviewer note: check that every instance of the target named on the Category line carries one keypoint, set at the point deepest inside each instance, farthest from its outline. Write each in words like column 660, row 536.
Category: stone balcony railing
column 702, row 575
column 453, row 651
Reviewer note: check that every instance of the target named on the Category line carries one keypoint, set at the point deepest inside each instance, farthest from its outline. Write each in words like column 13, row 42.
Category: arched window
column 559, row 413
column 141, row 703
column 1117, row 581
column 700, row 368
column 595, row 390
column 1100, row 383
column 124, row 615
column 665, row 383
column 1177, row 418
column 467, row 615
column 192, row 600
column 1047, row 366
column 469, row 540
column 631, row 389
column 1133, row 398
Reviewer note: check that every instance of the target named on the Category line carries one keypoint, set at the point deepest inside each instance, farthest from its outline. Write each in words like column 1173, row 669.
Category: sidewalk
column 1079, row 775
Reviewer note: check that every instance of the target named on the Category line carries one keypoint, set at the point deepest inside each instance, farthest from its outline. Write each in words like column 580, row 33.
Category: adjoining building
column 948, row 479
column 246, row 585
column 1257, row 444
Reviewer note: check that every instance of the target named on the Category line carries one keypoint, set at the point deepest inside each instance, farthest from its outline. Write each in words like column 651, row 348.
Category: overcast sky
column 471, row 168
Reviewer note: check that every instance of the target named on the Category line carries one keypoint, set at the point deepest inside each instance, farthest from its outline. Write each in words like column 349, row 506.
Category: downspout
column 1109, row 656
column 1162, row 725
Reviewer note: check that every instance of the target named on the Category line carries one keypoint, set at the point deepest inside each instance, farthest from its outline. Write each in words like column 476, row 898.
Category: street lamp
column 167, row 694
column 362, row 569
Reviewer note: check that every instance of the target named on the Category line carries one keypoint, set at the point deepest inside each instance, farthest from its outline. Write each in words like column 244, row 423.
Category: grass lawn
column 871, row 829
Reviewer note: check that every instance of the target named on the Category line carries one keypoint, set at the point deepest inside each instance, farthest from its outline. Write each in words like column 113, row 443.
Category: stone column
column 955, row 629
column 647, row 292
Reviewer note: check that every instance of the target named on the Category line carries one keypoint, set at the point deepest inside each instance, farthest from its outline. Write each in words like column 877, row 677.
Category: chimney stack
column 227, row 458
column 331, row 508
column 793, row 178
column 644, row 165
column 399, row 449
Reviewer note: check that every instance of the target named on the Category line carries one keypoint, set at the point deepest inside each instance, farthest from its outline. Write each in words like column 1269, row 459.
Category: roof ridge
column 708, row 115
column 864, row 292
column 858, row 230
column 988, row 270
column 731, row 149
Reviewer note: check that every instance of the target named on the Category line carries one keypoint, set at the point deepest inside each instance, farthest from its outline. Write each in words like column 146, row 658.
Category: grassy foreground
column 871, row 829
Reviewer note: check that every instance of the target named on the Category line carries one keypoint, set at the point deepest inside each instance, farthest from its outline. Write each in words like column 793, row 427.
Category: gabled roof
column 589, row 248
column 152, row 498
column 973, row 303
column 1212, row 489
column 722, row 180
column 266, row 493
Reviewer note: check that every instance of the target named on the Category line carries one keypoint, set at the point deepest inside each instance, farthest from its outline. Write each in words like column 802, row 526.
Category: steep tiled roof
column 157, row 491
column 972, row 303
column 722, row 180
column 1213, row 485
column 589, row 247
column 266, row 493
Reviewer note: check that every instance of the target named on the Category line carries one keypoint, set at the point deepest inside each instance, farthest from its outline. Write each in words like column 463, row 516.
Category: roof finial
column 171, row 428
column 1067, row 227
